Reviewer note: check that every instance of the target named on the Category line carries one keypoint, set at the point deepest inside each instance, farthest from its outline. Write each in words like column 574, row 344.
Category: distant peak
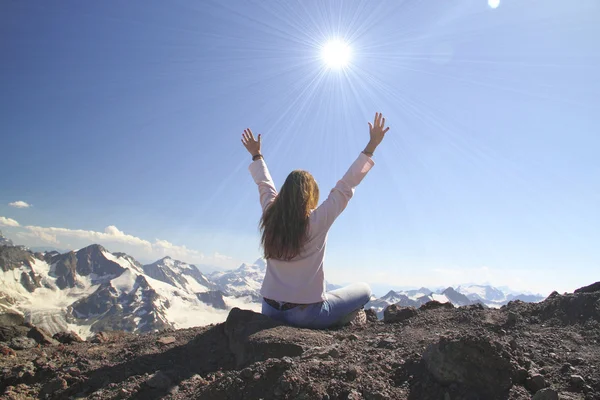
column 92, row 247
column 166, row 258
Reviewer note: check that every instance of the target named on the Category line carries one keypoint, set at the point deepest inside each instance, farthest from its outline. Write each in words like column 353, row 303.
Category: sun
column 494, row 3
column 336, row 54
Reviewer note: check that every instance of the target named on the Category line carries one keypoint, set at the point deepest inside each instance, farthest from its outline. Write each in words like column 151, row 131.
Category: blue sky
column 121, row 122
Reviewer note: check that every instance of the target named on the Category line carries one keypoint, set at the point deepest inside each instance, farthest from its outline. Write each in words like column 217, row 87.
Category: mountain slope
column 179, row 274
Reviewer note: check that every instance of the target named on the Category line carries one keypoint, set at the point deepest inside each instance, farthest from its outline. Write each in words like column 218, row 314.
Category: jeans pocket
column 307, row 316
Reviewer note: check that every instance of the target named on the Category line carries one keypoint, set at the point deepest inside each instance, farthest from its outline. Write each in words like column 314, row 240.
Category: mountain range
column 463, row 295
column 91, row 290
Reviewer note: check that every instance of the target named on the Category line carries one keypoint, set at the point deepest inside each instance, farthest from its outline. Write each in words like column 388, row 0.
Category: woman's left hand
column 251, row 144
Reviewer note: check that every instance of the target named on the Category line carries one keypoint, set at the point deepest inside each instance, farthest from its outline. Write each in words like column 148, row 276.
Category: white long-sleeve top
column 301, row 280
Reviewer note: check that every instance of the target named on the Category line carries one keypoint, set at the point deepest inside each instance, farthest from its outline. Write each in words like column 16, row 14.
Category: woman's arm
column 324, row 216
column 258, row 169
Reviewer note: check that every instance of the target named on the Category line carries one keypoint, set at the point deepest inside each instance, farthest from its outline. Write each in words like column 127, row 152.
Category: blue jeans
column 339, row 308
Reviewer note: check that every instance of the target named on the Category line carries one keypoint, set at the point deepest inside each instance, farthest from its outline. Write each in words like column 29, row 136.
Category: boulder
column 395, row 313
column 67, row 337
column 434, row 305
column 99, row 337
column 371, row 315
column 535, row 382
column 22, row 343
column 7, row 333
column 545, row 394
column 41, row 336
column 475, row 362
column 255, row 337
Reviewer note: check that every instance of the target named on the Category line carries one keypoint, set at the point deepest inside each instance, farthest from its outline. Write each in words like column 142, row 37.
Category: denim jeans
column 339, row 308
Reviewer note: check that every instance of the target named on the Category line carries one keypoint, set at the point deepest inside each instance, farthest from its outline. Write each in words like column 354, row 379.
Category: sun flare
column 336, row 54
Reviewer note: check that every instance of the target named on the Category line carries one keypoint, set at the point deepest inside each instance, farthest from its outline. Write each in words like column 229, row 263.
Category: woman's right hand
column 377, row 132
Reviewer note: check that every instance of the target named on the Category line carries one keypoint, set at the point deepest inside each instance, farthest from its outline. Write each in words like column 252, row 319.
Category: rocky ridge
column 546, row 350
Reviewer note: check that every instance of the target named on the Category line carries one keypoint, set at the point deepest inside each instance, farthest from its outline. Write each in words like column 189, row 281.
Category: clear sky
column 121, row 121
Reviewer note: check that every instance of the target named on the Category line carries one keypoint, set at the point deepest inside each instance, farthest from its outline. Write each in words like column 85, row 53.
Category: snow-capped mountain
column 495, row 297
column 481, row 292
column 244, row 281
column 179, row 274
column 92, row 289
column 461, row 296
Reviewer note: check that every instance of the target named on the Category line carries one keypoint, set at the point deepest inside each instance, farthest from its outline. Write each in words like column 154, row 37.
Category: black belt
column 281, row 306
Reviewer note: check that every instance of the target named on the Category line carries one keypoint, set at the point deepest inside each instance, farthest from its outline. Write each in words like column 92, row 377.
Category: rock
column 7, row 351
column 54, row 386
column 434, row 304
column 22, row 343
column 352, row 372
column 247, row 373
column 577, row 361
column 520, row 375
column 512, row 318
column 535, row 382
column 67, row 337
column 371, row 315
column 577, row 381
column 10, row 318
column 41, row 336
column 166, row 340
column 322, row 352
column 7, row 333
column 594, row 287
column 566, row 368
column 99, row 337
column 387, row 343
column 255, row 337
column 475, row 362
column 545, row 394
column 395, row 313
column 159, row 380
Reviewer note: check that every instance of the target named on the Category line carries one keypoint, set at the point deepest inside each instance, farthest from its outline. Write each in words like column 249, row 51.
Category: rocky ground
column 547, row 350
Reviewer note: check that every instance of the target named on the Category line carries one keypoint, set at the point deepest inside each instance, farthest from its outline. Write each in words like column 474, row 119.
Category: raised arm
column 324, row 216
column 258, row 169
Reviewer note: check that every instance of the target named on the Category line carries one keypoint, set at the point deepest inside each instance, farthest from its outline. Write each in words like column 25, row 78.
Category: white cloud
column 41, row 235
column 19, row 204
column 117, row 240
column 4, row 221
column 111, row 234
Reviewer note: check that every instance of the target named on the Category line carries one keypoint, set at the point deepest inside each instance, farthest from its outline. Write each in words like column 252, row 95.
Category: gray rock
column 535, row 382
column 7, row 333
column 577, row 381
column 395, row 313
column 472, row 361
column 22, row 343
column 520, row 375
column 353, row 372
column 545, row 394
column 322, row 352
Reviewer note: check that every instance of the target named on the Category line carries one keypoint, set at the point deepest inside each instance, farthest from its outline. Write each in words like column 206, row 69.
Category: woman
column 294, row 236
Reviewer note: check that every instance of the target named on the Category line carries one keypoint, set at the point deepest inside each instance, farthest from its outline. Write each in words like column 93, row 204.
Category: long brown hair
column 284, row 224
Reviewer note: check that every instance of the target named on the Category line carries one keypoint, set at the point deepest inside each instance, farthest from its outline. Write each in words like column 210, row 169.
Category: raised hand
column 377, row 132
column 251, row 144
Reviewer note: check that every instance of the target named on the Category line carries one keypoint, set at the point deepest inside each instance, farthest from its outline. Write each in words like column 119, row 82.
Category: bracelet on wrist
column 256, row 157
